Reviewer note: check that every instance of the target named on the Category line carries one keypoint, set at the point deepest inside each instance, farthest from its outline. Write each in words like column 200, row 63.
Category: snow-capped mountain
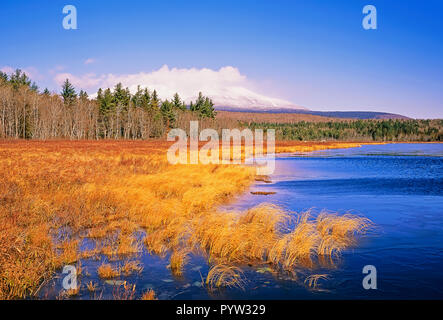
column 240, row 98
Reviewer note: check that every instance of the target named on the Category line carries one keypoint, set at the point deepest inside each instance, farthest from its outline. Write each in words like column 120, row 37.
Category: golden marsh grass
column 149, row 295
column 224, row 276
column 55, row 193
column 106, row 271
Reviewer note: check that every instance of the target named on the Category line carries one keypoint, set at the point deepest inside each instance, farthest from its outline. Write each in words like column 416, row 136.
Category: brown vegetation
column 106, row 271
column 91, row 286
column 262, row 193
column 149, row 295
column 53, row 194
column 312, row 280
column 224, row 276
column 271, row 117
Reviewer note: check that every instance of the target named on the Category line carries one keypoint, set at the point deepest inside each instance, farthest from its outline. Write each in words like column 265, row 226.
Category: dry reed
column 225, row 276
column 106, row 271
column 149, row 295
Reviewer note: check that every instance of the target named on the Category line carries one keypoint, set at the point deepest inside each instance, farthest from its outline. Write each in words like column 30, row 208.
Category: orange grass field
column 54, row 193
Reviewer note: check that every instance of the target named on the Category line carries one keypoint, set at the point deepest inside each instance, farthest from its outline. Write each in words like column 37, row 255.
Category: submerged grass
column 312, row 280
column 178, row 261
column 54, row 194
column 130, row 267
column 224, row 276
column 106, row 271
column 149, row 295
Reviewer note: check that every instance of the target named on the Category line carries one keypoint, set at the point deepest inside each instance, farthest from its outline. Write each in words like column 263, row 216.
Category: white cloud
column 89, row 61
column 57, row 68
column 226, row 86
column 31, row 72
column 7, row 69
column 87, row 81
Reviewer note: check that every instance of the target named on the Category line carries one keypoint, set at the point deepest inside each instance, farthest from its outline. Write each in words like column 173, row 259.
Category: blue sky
column 312, row 53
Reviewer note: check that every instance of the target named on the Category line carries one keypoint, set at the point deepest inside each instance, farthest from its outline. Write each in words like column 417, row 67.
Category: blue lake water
column 398, row 186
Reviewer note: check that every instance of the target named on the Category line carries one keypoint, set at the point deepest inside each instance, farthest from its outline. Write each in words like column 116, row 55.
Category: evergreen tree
column 155, row 101
column 99, row 95
column 137, row 98
column 19, row 78
column 178, row 103
column 168, row 113
column 46, row 92
column 3, row 76
column 121, row 96
column 83, row 95
column 208, row 110
column 68, row 93
column 146, row 99
column 203, row 106
column 199, row 102
column 107, row 104
column 34, row 87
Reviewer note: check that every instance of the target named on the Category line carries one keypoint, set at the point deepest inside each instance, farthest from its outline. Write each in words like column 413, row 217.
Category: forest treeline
column 113, row 114
column 357, row 130
column 116, row 113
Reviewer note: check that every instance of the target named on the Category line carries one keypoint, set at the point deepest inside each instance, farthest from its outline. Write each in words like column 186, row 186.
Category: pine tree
column 106, row 107
column 146, row 99
column 68, row 93
column 121, row 96
column 46, row 92
column 168, row 113
column 208, row 111
column 107, row 104
column 203, row 106
column 83, row 95
column 34, row 87
column 99, row 95
column 178, row 103
column 3, row 76
column 155, row 101
column 18, row 79
column 199, row 103
column 137, row 98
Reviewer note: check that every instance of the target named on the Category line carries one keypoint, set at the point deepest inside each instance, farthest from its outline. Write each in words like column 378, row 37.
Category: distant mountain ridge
column 330, row 114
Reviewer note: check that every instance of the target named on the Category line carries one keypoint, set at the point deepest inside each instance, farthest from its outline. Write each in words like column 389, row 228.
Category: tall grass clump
column 225, row 276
